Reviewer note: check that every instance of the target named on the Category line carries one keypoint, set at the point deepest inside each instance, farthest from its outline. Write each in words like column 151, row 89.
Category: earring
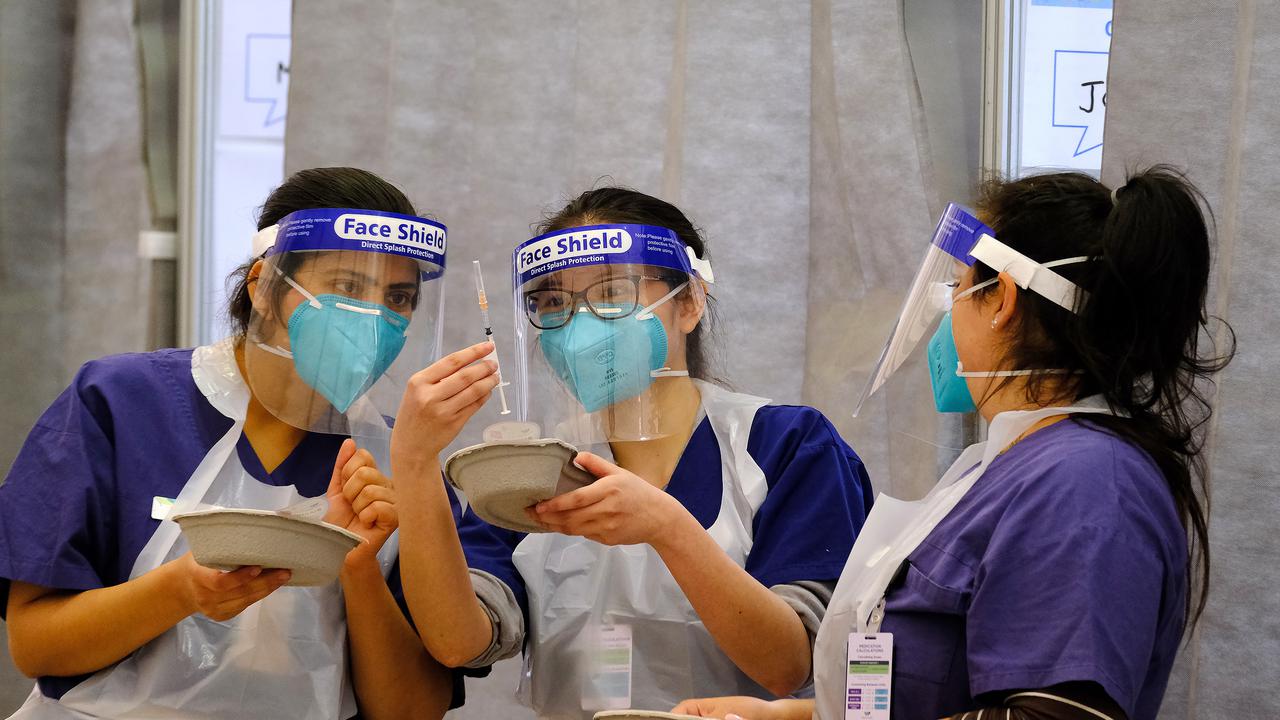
column 994, row 321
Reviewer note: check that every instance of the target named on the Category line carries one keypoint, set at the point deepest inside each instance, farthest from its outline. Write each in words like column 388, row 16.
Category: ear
column 1005, row 303
column 692, row 306
column 251, row 286
column 251, row 280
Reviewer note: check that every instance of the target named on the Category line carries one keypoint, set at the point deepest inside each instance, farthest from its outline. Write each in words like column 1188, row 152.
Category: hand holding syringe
column 488, row 335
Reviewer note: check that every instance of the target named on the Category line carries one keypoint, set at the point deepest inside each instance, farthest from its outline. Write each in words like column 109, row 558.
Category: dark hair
column 627, row 206
column 1136, row 335
column 329, row 187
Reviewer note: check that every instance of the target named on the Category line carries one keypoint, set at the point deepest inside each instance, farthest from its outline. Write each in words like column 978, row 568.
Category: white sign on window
column 1064, row 84
column 248, row 101
column 253, row 68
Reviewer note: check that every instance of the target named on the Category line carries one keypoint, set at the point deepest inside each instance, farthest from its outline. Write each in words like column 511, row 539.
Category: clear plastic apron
column 283, row 657
column 584, row 598
column 893, row 530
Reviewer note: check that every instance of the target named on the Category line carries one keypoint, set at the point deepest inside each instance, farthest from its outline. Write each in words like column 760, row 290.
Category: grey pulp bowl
column 501, row 479
column 229, row 538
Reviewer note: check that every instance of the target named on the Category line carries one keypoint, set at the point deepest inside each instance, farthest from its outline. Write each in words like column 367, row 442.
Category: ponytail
column 1136, row 335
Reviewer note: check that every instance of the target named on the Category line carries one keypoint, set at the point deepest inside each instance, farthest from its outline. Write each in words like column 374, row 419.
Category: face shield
column 930, row 293
column 958, row 242
column 603, row 314
column 347, row 306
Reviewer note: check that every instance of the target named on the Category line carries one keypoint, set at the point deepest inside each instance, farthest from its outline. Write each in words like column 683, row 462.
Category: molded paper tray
column 501, row 479
column 229, row 538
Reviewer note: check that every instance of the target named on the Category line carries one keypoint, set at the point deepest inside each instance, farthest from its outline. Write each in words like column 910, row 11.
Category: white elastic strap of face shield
column 646, row 313
column 276, row 349
column 1027, row 273
column 700, row 266
column 1030, row 275
column 313, row 302
column 264, row 240
column 1011, row 373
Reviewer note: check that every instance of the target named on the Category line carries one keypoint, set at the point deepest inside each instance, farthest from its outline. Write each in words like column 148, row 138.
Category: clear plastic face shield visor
column 346, row 307
column 959, row 241
column 603, row 315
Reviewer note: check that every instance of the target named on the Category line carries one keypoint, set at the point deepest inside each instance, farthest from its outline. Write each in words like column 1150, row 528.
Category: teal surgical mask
column 606, row 361
column 947, row 374
column 340, row 346
column 950, row 391
column 603, row 362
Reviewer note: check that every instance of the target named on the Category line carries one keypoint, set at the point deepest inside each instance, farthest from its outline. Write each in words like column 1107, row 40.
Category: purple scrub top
column 75, row 508
column 1066, row 561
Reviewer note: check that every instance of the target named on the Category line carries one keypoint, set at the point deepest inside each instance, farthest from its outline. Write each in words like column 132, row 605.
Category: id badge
column 161, row 507
column 608, row 684
column 869, row 676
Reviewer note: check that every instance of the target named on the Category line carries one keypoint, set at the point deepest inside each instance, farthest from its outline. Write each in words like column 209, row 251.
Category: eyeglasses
column 613, row 298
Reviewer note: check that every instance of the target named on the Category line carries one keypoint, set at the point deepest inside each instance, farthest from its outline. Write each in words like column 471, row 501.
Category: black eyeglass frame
column 579, row 299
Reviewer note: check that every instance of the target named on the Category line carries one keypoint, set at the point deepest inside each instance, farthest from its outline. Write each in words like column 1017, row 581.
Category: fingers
column 370, row 494
column 360, row 478
column 595, row 464
column 465, row 379
column 345, row 454
column 688, row 707
column 475, row 394
column 594, row 519
column 563, row 521
column 221, row 582
column 261, row 587
column 268, row 580
column 451, row 363
column 380, row 515
column 713, row 707
column 359, row 459
column 574, row 500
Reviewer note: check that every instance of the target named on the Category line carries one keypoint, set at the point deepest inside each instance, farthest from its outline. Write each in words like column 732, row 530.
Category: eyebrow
column 368, row 279
column 352, row 274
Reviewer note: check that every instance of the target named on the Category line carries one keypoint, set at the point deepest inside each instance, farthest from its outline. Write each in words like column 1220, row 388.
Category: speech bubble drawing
column 1080, row 95
column 266, row 74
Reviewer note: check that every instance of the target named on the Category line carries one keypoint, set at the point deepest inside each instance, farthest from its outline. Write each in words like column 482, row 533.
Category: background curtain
column 1198, row 85
column 73, row 198
column 796, row 135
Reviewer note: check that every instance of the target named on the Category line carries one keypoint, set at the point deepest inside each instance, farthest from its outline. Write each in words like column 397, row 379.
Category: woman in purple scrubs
column 109, row 633
column 1055, row 567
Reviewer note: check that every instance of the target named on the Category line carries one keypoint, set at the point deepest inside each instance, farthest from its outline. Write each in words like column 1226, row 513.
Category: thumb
column 595, row 464
column 345, row 453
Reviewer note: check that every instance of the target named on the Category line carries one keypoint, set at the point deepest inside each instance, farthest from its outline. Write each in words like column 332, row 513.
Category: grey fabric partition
column 1198, row 85
column 104, row 302
column 35, row 45
column 71, row 206
column 794, row 134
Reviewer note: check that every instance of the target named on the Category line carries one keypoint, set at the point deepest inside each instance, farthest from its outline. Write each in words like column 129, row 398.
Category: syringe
column 488, row 335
